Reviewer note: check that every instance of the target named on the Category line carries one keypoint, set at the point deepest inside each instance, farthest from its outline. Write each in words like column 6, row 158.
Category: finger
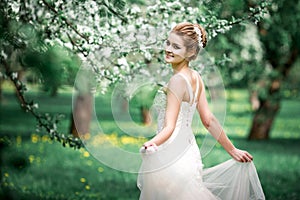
column 247, row 159
column 240, row 158
column 249, row 156
column 243, row 157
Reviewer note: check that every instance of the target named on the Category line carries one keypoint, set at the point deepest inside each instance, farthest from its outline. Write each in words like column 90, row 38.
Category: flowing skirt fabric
column 185, row 179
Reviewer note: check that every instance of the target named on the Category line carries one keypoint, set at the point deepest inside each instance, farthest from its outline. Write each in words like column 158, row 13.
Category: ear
column 190, row 54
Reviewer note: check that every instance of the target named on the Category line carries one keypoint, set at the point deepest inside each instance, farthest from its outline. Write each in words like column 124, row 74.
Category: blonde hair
column 192, row 40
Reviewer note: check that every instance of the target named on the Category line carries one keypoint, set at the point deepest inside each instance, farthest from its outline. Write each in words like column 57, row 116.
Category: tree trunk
column 81, row 115
column 54, row 91
column 263, row 120
column 268, row 107
column 1, row 91
column 146, row 116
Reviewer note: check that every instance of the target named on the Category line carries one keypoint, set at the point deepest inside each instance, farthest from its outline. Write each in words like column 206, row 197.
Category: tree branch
column 240, row 20
column 121, row 17
column 66, row 21
column 29, row 107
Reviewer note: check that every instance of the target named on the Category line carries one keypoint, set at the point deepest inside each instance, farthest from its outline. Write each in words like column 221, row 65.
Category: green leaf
column 119, row 4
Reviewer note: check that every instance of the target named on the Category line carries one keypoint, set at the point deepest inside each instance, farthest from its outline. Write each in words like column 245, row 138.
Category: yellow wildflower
column 45, row 138
column 19, row 140
column 31, row 158
column 34, row 138
column 100, row 169
column 86, row 154
column 82, row 180
column 87, row 187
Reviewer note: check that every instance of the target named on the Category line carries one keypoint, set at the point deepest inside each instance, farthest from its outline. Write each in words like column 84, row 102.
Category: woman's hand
column 148, row 147
column 149, row 144
column 240, row 155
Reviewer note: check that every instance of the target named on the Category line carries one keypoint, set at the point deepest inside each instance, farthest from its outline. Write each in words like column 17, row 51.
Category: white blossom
column 135, row 9
column 3, row 54
column 123, row 62
column 14, row 75
column 148, row 55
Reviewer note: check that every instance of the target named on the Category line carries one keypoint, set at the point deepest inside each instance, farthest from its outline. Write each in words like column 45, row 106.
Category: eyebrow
column 174, row 43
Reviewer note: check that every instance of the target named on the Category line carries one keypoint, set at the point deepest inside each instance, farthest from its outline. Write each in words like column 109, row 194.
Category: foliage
column 29, row 32
column 240, row 45
column 57, row 67
column 279, row 34
column 253, row 50
column 45, row 121
column 93, row 28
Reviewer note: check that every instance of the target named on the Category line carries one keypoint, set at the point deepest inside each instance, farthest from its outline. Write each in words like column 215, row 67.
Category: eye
column 175, row 46
column 167, row 42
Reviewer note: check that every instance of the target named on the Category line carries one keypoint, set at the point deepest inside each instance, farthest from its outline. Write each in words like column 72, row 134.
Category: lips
column 169, row 55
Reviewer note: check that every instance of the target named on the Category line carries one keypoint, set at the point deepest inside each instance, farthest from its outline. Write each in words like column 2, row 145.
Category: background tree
column 260, row 57
column 56, row 67
column 279, row 35
column 30, row 33
column 91, row 29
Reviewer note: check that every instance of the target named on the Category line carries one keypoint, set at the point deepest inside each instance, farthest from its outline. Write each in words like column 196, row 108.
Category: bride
column 172, row 166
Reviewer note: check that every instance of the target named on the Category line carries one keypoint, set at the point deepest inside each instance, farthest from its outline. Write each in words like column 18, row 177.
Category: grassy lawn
column 34, row 167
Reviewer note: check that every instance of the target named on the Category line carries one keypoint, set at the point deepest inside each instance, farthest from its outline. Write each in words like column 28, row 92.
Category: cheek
column 180, row 53
column 166, row 47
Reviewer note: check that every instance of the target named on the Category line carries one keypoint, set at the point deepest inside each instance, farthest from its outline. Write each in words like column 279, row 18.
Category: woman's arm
column 175, row 93
column 213, row 126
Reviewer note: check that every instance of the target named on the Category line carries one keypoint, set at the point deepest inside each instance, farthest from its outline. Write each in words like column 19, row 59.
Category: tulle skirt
column 185, row 179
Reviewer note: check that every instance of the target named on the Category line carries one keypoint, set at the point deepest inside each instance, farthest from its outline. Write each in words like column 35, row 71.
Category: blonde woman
column 172, row 166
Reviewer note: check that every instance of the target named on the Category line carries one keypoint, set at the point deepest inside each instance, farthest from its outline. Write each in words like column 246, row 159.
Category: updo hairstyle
column 190, row 37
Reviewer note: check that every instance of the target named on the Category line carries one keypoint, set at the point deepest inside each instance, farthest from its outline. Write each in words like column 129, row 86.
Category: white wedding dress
column 174, row 171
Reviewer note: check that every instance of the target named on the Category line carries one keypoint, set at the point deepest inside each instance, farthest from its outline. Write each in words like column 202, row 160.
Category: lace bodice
column 187, row 109
column 185, row 115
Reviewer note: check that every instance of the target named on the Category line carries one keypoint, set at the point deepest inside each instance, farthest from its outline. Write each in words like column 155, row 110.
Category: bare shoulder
column 199, row 77
column 197, row 73
column 176, row 80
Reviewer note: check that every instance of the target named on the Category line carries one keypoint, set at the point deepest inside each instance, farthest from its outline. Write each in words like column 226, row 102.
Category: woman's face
column 175, row 50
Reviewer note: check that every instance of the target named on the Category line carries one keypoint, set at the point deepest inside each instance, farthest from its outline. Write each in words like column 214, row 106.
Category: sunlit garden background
column 254, row 45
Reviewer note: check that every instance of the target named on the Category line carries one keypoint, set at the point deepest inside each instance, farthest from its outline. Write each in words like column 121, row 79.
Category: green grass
column 34, row 167
column 43, row 170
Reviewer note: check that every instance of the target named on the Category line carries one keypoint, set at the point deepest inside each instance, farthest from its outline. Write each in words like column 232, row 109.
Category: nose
column 168, row 49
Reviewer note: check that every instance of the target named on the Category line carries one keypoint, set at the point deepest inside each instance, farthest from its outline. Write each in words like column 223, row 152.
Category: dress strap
column 197, row 88
column 190, row 89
